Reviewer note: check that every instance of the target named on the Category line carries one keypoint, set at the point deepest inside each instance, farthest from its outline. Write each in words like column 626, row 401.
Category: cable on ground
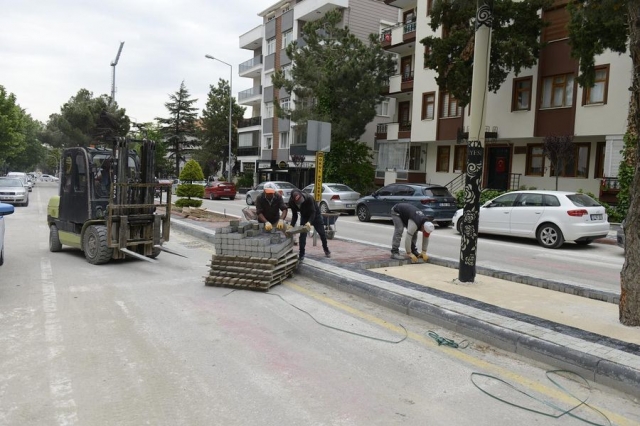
column 548, row 403
column 447, row 342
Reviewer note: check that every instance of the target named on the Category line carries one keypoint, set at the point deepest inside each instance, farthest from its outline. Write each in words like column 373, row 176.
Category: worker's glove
column 424, row 256
column 280, row 225
column 268, row 226
column 414, row 258
column 308, row 226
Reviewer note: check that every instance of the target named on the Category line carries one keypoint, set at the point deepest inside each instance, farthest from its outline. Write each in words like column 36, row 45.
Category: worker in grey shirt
column 405, row 215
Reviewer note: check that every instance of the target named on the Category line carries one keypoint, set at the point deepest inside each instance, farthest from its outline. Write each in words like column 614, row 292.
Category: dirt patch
column 203, row 215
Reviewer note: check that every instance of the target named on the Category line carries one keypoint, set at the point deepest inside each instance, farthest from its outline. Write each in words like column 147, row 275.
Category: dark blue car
column 435, row 200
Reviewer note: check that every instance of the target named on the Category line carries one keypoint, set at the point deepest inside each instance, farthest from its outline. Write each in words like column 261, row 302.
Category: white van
column 24, row 178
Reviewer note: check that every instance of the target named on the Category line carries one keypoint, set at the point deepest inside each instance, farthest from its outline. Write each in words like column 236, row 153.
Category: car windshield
column 583, row 200
column 285, row 185
column 340, row 188
column 10, row 182
column 437, row 192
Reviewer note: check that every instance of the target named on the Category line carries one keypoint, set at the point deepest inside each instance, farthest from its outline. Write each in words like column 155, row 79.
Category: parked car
column 5, row 209
column 283, row 188
column 48, row 178
column 220, row 189
column 14, row 191
column 620, row 235
column 24, row 177
column 435, row 200
column 551, row 217
column 336, row 197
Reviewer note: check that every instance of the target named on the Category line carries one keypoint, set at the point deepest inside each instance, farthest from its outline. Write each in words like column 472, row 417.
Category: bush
column 245, row 180
column 191, row 172
column 188, row 202
column 486, row 195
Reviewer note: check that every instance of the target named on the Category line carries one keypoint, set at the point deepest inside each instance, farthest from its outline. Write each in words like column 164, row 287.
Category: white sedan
column 551, row 217
column 5, row 209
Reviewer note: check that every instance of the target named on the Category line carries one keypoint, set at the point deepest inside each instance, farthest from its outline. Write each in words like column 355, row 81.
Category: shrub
column 245, row 180
column 191, row 172
column 486, row 195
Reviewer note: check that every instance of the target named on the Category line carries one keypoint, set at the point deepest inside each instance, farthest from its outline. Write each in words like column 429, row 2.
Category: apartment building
column 266, row 143
column 425, row 139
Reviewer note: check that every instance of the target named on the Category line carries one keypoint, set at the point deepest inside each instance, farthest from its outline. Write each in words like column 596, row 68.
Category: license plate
column 227, row 189
column 349, row 205
column 446, row 204
column 596, row 217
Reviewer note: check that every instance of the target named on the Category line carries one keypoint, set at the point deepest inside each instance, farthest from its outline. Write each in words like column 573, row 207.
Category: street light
column 230, row 106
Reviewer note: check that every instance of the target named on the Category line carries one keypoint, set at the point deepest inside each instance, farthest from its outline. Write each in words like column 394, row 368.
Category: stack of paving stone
column 250, row 258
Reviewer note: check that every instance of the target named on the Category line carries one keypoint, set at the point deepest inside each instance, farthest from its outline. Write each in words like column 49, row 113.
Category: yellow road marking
column 495, row 370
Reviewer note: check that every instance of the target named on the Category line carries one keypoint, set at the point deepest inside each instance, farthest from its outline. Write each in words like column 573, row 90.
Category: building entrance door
column 499, row 168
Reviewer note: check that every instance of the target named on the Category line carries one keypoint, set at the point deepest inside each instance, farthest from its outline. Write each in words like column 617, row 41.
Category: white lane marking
column 60, row 386
column 586, row 260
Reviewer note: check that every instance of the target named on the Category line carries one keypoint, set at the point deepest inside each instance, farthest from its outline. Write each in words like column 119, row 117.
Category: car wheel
column 324, row 208
column 95, row 246
column 2, row 256
column 549, row 236
column 26, row 203
column 211, row 196
column 232, row 198
column 459, row 226
column 351, row 212
column 444, row 224
column 249, row 200
column 54, row 239
column 363, row 214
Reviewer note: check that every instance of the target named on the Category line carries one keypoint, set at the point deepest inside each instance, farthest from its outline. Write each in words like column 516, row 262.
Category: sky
column 50, row 49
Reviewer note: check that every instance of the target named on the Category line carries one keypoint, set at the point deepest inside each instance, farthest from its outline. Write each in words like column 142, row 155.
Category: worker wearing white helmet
column 405, row 215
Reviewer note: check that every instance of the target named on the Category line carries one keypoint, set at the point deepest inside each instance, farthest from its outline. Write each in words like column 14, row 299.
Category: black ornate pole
column 482, row 49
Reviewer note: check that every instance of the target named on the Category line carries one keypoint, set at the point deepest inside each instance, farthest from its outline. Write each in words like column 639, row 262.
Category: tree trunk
column 630, row 274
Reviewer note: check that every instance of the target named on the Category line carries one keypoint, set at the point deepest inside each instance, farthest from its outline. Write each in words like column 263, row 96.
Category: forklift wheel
column 156, row 252
column 54, row 239
column 95, row 246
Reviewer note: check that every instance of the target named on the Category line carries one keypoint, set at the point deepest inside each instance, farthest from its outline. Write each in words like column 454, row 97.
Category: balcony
column 250, row 122
column 250, row 96
column 409, row 32
column 381, row 131
column 402, row 4
column 312, row 10
column 247, row 151
column 407, row 82
column 399, row 39
column 609, row 189
column 251, row 68
column 397, row 131
column 252, row 39
column 300, row 149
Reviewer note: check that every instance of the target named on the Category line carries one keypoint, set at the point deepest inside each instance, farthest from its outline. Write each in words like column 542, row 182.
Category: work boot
column 397, row 256
column 327, row 253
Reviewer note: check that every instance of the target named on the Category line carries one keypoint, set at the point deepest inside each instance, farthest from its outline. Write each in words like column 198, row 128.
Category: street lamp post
column 230, row 106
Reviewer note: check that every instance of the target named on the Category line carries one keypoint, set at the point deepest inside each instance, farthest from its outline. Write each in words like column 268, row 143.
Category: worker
column 271, row 209
column 310, row 215
column 405, row 215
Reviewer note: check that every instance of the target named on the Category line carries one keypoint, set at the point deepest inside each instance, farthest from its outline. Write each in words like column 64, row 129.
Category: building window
column 460, row 158
column 383, row 108
column 579, row 166
column 285, row 104
column 443, row 159
column 600, row 154
column 271, row 46
column 450, row 106
column 428, row 105
column 268, row 110
column 429, row 6
column 557, row 91
column 268, row 142
column 287, row 38
column 535, row 160
column 598, row 93
column 284, row 140
column 245, row 139
column 415, row 157
column 521, row 100
column 286, row 70
column 427, row 52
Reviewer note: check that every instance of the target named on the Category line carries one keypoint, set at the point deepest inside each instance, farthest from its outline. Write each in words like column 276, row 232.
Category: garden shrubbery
column 191, row 172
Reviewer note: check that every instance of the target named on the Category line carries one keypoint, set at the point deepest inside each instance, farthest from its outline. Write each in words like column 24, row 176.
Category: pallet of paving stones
column 251, row 273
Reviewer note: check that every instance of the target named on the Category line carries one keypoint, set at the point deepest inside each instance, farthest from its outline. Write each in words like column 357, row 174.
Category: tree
column 191, row 172
column 85, row 120
column 515, row 42
column 335, row 78
column 560, row 151
column 151, row 131
column 350, row 163
column 179, row 130
column 12, row 137
column 594, row 26
column 214, row 130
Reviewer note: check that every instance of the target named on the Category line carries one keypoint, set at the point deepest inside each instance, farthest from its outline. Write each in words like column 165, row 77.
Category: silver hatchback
column 283, row 188
column 336, row 197
column 14, row 191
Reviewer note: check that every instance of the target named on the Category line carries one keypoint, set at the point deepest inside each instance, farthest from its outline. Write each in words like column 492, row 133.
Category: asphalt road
column 595, row 266
column 132, row 343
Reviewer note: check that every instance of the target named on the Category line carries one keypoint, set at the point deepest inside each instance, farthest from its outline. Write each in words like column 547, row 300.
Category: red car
column 218, row 189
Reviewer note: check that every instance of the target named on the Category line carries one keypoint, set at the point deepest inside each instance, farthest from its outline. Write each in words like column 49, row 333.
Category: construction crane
column 113, row 74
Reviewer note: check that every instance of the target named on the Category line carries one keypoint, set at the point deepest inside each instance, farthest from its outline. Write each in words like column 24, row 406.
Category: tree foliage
column 179, row 129
column 560, row 150
column 350, row 162
column 515, row 42
column 12, row 137
column 214, row 130
column 335, row 78
column 596, row 25
column 152, row 132
column 85, row 120
column 190, row 173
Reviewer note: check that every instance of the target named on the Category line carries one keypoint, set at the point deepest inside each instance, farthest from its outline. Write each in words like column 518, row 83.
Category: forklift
column 106, row 206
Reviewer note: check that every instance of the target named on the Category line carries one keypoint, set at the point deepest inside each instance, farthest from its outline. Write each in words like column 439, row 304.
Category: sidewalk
column 562, row 325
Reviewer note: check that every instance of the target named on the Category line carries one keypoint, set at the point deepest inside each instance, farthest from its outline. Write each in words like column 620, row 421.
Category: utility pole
column 113, row 74
column 479, row 87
